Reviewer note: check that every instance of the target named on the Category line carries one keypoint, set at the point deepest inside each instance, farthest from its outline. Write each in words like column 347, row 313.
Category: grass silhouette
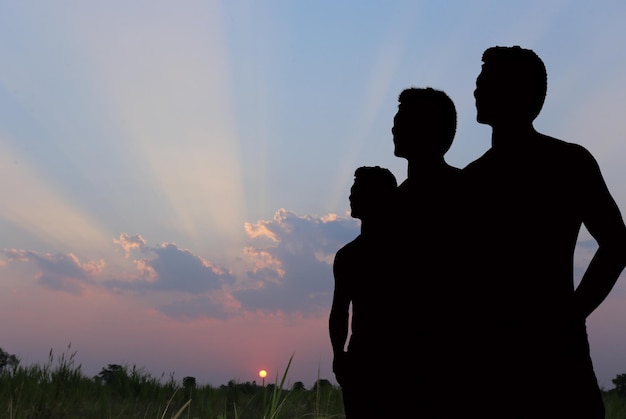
column 58, row 389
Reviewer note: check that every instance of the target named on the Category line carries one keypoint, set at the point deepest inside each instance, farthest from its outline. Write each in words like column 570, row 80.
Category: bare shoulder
column 562, row 147
column 348, row 251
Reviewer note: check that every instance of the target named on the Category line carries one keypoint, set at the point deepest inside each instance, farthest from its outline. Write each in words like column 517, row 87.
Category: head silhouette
column 511, row 86
column 425, row 124
column 371, row 192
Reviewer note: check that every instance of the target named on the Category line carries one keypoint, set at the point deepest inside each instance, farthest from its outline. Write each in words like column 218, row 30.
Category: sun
column 262, row 373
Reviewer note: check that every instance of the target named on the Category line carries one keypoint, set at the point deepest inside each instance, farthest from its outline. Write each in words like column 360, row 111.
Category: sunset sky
column 175, row 175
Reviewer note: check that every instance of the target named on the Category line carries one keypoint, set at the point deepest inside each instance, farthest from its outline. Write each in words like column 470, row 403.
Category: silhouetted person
column 528, row 197
column 362, row 279
column 426, row 269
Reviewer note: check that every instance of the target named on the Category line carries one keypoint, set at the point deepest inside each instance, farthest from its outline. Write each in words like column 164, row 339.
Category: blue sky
column 175, row 177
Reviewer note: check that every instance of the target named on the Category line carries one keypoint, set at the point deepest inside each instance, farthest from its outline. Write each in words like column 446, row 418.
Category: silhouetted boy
column 528, row 197
column 428, row 287
column 361, row 269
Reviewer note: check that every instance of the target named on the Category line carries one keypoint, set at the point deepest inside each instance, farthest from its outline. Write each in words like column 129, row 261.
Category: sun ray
column 175, row 110
column 36, row 206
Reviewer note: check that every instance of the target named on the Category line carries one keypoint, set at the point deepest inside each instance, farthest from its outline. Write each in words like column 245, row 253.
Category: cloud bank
column 285, row 267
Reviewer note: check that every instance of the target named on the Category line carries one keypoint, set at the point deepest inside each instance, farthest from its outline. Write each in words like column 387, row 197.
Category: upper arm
column 341, row 293
column 601, row 215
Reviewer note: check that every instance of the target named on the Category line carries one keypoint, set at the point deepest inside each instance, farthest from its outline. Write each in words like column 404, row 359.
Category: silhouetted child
column 361, row 269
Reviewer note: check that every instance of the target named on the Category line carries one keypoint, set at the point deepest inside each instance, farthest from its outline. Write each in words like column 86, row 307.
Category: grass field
column 59, row 390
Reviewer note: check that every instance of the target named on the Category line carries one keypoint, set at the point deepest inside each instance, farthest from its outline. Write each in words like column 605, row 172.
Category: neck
column 426, row 168
column 371, row 227
column 511, row 135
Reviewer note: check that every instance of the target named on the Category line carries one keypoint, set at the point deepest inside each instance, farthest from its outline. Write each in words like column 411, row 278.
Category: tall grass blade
column 277, row 400
column 181, row 410
column 168, row 404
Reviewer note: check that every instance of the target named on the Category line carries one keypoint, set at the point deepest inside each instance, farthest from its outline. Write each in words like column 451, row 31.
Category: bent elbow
column 617, row 246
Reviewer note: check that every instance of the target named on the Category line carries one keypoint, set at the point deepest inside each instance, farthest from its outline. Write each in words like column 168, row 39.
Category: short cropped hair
column 414, row 98
column 376, row 177
column 526, row 70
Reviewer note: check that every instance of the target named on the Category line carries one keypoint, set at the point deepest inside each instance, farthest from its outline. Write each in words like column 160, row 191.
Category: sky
column 175, row 177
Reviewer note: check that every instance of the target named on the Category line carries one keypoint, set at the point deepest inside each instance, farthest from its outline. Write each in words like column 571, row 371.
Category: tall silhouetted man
column 428, row 244
column 363, row 283
column 528, row 197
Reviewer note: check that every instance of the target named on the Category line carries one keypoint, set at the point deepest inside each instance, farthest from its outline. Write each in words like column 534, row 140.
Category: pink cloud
column 290, row 272
column 128, row 243
column 60, row 272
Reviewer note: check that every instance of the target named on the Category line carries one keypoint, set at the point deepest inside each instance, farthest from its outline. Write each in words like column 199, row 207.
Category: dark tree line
column 7, row 360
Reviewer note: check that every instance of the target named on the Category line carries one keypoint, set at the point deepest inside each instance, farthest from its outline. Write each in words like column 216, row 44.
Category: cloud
column 169, row 268
column 129, row 243
column 216, row 305
column 286, row 267
column 59, row 272
column 292, row 261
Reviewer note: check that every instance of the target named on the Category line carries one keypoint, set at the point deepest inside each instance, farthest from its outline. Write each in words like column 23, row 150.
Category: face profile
column 400, row 135
column 485, row 96
column 358, row 196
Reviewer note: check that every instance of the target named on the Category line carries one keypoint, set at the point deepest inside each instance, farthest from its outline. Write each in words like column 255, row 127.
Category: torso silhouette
column 529, row 204
column 428, row 239
column 363, row 275
column 427, row 274
column 526, row 207
column 363, row 265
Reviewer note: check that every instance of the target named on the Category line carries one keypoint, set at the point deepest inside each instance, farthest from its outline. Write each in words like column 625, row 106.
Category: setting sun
column 262, row 373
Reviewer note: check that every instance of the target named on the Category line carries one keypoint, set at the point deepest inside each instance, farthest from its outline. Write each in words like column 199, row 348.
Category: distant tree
column 247, row 387
column 112, row 374
column 298, row 385
column 7, row 360
column 620, row 384
column 322, row 383
column 189, row 382
column 189, row 386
